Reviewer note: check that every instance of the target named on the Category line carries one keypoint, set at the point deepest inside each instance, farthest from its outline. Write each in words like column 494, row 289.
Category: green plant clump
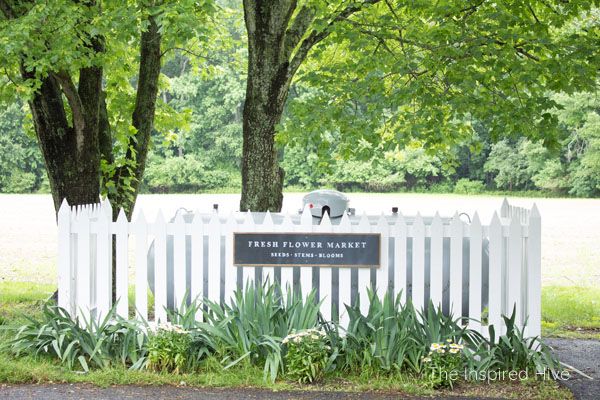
column 168, row 349
column 308, row 355
column 286, row 336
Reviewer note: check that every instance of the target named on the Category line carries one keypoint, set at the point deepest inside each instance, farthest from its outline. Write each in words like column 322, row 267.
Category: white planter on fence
column 469, row 269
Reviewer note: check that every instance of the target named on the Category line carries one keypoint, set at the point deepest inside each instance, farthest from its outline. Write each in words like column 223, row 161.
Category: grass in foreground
column 564, row 309
column 572, row 312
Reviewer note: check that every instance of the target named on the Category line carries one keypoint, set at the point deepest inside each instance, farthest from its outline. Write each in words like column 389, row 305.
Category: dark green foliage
column 81, row 343
column 169, row 349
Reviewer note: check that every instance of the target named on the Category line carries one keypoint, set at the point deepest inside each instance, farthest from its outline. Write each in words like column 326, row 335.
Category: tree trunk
column 277, row 45
column 142, row 118
column 73, row 173
column 266, row 91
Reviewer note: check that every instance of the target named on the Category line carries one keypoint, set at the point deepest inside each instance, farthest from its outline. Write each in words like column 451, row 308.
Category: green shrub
column 466, row 186
column 185, row 174
column 307, row 356
column 169, row 349
column 86, row 344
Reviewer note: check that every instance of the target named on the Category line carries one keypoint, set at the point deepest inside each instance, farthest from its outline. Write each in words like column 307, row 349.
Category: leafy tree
column 74, row 62
column 396, row 71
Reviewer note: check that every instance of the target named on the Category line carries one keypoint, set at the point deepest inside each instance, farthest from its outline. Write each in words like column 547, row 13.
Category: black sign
column 306, row 249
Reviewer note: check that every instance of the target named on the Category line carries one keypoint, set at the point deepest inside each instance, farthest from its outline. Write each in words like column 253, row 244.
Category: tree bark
column 143, row 116
column 266, row 92
column 277, row 45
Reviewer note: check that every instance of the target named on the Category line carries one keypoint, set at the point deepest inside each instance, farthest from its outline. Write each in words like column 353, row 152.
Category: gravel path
column 76, row 392
column 585, row 356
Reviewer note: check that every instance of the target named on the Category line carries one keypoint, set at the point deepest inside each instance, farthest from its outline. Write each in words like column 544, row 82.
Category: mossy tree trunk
column 278, row 43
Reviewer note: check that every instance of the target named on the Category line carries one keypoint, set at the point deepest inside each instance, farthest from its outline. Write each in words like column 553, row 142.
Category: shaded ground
column 585, row 356
column 72, row 392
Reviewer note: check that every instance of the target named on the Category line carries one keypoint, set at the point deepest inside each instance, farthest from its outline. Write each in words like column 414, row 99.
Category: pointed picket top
column 306, row 217
column 436, row 222
column 64, row 209
column 476, row 222
column 504, row 208
column 122, row 217
column 345, row 223
column 495, row 219
column 382, row 225
column 214, row 220
column 197, row 220
column 399, row 225
column 268, row 221
column 231, row 221
column 107, row 208
column 535, row 212
column 419, row 224
column 160, row 219
column 140, row 224
column 325, row 220
column 248, row 219
column 363, row 224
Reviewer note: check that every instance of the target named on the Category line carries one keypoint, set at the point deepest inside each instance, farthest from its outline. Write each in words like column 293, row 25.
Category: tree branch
column 316, row 36
column 298, row 28
column 72, row 95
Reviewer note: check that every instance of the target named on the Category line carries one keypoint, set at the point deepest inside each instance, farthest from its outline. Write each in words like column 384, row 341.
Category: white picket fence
column 469, row 269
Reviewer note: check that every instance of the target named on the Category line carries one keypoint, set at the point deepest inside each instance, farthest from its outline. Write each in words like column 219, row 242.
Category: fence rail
column 473, row 270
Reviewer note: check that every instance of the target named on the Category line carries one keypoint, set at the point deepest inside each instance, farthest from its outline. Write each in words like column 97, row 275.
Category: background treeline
column 206, row 86
column 207, row 155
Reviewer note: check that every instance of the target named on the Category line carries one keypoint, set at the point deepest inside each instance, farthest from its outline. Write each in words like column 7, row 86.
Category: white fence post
column 514, row 270
column 456, row 266
column 475, row 267
column 160, row 268
column 344, row 279
column 534, row 275
column 197, row 284
column 495, row 275
column 383, row 282
column 141, row 266
column 214, row 258
column 364, row 274
column 83, row 269
column 436, row 270
column 306, row 225
column 418, row 263
column 122, row 265
column 325, row 275
column 65, row 273
column 103, row 264
column 179, row 261
column 400, row 233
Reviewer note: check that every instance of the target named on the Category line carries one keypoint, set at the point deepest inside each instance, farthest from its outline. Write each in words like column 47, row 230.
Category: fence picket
column 400, row 234
column 83, row 270
column 160, row 268
column 287, row 273
column 382, row 273
column 475, row 265
column 140, row 230
column 248, row 272
column 214, row 258
column 344, row 279
column 325, row 275
column 197, row 264
column 268, row 273
column 230, row 270
column 364, row 274
column 122, row 265
column 534, row 273
column 179, row 262
column 103, row 266
column 65, row 291
column 436, row 270
column 418, row 263
column 306, row 225
column 514, row 270
column 456, row 259
column 495, row 274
